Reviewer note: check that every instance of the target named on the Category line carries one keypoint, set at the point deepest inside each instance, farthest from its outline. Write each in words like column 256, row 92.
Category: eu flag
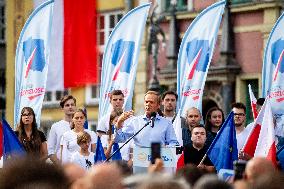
column 100, row 154
column 223, row 150
column 11, row 143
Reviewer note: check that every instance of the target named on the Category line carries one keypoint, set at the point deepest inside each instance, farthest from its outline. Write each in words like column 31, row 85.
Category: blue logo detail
column 38, row 60
column 276, row 49
column 192, row 49
column 125, row 49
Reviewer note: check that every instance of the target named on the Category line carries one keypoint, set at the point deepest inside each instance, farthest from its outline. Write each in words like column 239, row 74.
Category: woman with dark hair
column 69, row 139
column 31, row 138
column 214, row 120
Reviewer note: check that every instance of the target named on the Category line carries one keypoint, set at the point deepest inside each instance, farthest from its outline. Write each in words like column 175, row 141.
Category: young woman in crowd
column 214, row 120
column 31, row 138
column 69, row 139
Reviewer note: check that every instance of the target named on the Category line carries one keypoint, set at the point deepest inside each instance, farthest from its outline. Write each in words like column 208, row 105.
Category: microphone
column 152, row 118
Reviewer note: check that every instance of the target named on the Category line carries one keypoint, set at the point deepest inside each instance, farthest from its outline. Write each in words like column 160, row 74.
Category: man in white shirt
column 68, row 106
column 169, row 102
column 242, row 132
column 116, row 101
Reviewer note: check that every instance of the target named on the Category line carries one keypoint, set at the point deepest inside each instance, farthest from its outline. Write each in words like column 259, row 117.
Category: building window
column 93, row 94
column 106, row 23
column 2, row 21
column 54, row 97
column 241, row 1
column 92, row 125
column 181, row 5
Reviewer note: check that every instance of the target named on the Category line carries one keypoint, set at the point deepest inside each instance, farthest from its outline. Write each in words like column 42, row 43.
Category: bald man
column 257, row 167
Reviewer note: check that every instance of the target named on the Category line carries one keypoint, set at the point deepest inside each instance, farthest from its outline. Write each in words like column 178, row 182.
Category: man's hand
column 124, row 116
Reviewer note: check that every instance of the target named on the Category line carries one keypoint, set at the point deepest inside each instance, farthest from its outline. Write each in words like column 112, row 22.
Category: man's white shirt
column 56, row 132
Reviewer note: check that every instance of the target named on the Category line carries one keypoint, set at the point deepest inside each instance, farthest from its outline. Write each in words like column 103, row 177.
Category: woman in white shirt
column 69, row 139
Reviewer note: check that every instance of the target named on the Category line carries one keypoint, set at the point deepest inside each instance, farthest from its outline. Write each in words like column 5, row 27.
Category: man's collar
column 158, row 117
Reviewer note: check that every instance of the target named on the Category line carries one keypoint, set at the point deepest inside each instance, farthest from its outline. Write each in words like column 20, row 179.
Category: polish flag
column 73, row 53
column 261, row 141
column 252, row 102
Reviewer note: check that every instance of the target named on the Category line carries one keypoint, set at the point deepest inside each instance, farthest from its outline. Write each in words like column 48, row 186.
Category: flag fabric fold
column 116, row 156
column 31, row 62
column 74, row 52
column 280, row 156
column 261, row 140
column 195, row 55
column 121, row 57
column 266, row 141
column 100, row 154
column 11, row 144
column 273, row 68
column 252, row 102
column 223, row 150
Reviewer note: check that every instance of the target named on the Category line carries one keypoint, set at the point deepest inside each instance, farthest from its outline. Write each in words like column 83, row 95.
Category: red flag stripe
column 180, row 162
column 250, row 146
column 80, row 52
column 272, row 154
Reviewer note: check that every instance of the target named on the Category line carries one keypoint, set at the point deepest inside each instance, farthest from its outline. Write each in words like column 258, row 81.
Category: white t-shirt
column 124, row 151
column 85, row 162
column 55, row 135
column 103, row 124
column 69, row 144
column 242, row 136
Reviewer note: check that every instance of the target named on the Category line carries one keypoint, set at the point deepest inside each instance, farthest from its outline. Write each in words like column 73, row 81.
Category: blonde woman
column 69, row 139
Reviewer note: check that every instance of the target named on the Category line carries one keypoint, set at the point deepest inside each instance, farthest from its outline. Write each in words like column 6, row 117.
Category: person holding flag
column 193, row 153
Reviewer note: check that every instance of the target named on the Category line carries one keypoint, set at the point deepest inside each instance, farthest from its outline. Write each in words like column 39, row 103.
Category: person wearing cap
column 161, row 130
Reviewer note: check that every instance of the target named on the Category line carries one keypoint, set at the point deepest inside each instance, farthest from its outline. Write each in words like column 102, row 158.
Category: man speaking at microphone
column 159, row 129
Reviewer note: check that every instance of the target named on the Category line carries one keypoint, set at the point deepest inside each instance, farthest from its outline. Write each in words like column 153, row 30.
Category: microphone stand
column 127, row 141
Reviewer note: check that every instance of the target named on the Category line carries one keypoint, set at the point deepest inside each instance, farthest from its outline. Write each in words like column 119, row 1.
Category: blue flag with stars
column 11, row 144
column 223, row 150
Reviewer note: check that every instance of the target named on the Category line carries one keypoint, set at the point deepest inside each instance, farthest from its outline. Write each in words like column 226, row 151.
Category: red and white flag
column 261, row 141
column 252, row 103
column 73, row 53
column 178, row 132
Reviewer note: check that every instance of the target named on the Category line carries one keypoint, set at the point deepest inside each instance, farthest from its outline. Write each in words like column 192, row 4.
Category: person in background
column 68, row 106
column 193, row 153
column 108, row 141
column 242, row 132
column 84, row 157
column 30, row 137
column 116, row 101
column 193, row 118
column 69, row 139
column 169, row 102
column 214, row 121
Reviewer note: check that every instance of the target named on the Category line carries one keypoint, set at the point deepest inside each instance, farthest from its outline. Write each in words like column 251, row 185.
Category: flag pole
column 203, row 159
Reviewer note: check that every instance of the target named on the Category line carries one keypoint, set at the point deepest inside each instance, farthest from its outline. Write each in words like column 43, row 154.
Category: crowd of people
column 68, row 154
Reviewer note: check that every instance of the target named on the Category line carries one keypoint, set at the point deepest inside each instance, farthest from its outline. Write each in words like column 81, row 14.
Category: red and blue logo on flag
column 197, row 56
column 122, row 57
column 277, row 53
column 34, row 55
